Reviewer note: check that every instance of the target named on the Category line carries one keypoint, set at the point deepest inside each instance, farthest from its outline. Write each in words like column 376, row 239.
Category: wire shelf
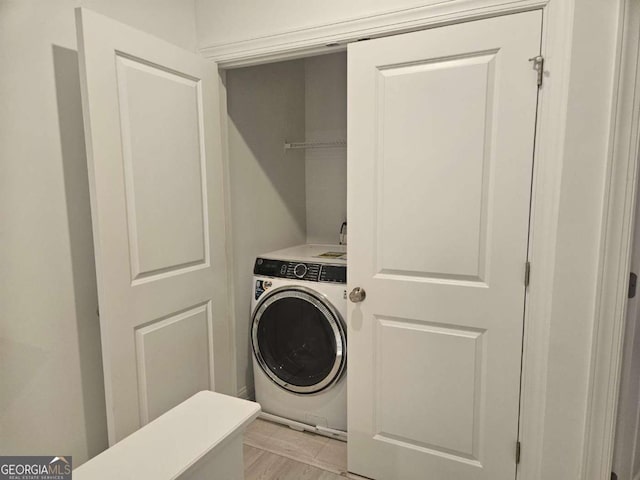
column 302, row 145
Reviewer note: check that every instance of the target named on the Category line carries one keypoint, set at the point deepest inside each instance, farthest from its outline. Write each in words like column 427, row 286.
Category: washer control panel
column 312, row 272
column 300, row 270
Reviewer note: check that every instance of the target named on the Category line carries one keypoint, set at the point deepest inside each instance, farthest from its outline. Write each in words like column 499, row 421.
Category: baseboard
column 299, row 426
column 246, row 393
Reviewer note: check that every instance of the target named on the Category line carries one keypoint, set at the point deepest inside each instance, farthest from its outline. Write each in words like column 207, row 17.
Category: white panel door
column 156, row 179
column 441, row 135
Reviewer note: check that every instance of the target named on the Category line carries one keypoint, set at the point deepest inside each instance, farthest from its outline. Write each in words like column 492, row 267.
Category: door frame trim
column 616, row 250
column 229, row 249
column 310, row 41
column 617, row 219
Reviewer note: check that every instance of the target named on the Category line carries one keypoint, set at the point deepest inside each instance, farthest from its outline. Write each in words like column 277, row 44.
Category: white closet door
column 441, row 137
column 155, row 168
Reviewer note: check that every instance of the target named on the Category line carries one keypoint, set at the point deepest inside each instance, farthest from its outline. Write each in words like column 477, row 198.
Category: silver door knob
column 357, row 295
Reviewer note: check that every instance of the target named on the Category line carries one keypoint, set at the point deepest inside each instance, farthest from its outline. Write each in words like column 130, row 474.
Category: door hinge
column 633, row 282
column 538, row 66
column 527, row 273
column 518, row 448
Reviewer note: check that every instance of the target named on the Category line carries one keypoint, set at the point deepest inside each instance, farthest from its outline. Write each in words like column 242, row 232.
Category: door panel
column 164, row 196
column 441, row 133
column 153, row 142
column 434, row 244
column 425, row 351
column 186, row 336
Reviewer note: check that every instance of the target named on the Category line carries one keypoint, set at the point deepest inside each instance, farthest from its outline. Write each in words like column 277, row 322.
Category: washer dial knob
column 300, row 270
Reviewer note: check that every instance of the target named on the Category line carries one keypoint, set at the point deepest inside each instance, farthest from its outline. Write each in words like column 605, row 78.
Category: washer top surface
column 312, row 253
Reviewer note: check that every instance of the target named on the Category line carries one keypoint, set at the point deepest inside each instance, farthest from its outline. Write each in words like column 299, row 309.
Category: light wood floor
column 276, row 452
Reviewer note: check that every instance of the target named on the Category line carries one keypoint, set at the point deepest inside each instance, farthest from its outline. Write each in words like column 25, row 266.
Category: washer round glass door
column 299, row 339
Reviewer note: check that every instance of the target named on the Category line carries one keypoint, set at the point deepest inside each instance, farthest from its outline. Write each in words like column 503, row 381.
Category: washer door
column 299, row 339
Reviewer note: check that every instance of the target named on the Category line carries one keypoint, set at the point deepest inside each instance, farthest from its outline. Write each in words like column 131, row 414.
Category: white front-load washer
column 298, row 334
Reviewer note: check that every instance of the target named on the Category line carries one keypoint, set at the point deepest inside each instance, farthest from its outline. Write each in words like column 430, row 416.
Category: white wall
column 266, row 107
column 171, row 20
column 326, row 168
column 51, row 385
column 222, row 21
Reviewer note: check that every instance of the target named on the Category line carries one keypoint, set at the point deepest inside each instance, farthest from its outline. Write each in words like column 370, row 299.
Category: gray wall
column 326, row 168
column 51, row 383
column 223, row 21
column 267, row 192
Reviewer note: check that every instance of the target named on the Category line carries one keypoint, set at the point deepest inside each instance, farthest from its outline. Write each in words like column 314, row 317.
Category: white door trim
column 545, row 205
column 224, row 145
column 550, row 144
column 615, row 255
column 310, row 41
